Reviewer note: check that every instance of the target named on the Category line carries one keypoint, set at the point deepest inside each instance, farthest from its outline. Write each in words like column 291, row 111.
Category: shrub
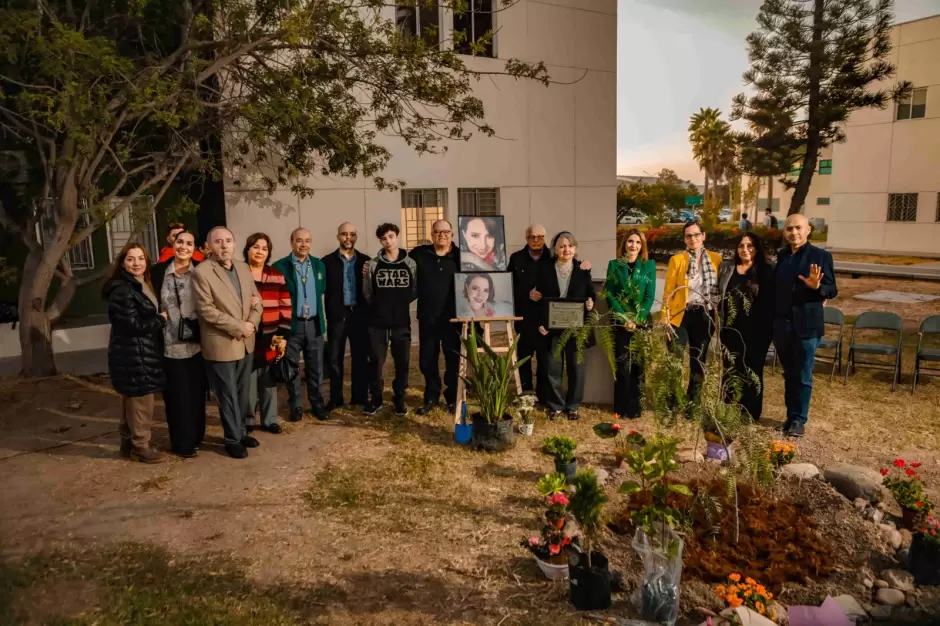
column 665, row 241
column 562, row 448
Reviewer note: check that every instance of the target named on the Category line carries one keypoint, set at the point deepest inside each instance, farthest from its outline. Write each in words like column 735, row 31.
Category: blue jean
column 306, row 339
column 797, row 355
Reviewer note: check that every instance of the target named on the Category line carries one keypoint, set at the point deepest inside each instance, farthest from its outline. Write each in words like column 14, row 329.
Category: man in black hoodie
column 389, row 288
column 437, row 263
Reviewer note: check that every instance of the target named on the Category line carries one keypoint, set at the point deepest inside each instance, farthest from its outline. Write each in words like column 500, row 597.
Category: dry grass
column 886, row 259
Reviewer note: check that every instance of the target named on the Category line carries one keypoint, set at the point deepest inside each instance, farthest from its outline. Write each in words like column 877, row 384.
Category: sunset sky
column 676, row 56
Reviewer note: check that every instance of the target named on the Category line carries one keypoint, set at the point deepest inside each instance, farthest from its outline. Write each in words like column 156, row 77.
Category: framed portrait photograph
column 482, row 242
column 483, row 294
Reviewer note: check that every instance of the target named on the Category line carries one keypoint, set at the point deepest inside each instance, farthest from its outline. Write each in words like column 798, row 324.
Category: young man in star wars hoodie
column 390, row 286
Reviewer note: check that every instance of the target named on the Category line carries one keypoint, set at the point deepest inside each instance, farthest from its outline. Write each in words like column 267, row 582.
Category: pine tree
column 813, row 62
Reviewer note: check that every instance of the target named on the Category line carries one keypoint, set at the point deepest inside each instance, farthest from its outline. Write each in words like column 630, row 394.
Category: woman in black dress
column 746, row 285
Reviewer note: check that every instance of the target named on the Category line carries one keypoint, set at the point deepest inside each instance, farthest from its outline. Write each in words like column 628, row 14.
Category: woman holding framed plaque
column 567, row 295
column 630, row 289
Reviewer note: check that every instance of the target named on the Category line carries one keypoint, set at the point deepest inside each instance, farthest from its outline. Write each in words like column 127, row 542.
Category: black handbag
column 188, row 329
column 285, row 369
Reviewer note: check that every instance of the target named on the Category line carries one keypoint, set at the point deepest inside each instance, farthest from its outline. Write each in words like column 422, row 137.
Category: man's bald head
column 347, row 235
column 796, row 230
column 301, row 242
column 535, row 236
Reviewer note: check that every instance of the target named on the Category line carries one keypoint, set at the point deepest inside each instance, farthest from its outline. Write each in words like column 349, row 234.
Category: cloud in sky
column 676, row 56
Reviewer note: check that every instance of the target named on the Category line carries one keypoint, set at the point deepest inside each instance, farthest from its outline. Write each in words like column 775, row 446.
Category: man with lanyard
column 347, row 317
column 524, row 266
column 306, row 281
column 691, row 294
column 805, row 279
column 437, row 263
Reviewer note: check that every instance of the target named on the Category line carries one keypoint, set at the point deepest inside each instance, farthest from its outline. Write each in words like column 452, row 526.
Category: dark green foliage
column 560, row 447
column 491, row 379
column 587, row 505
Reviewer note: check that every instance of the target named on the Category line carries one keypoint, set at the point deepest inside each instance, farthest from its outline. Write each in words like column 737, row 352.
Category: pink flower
column 884, row 472
column 533, row 541
column 933, row 532
column 558, row 499
column 899, row 462
column 554, row 549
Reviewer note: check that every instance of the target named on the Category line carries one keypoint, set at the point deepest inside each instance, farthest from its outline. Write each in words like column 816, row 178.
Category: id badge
column 306, row 310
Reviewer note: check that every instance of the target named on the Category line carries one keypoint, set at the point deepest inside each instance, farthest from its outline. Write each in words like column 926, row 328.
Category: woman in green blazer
column 630, row 289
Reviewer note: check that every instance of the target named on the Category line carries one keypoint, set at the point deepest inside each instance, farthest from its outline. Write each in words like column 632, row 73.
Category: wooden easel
column 462, row 369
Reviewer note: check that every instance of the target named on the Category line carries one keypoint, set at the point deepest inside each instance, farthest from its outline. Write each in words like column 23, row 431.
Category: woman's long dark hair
column 760, row 261
column 252, row 241
column 117, row 267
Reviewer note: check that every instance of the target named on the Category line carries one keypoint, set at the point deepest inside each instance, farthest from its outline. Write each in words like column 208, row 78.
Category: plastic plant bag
column 657, row 598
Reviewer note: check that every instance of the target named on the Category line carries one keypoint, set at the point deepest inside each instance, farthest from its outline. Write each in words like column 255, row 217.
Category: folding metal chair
column 930, row 326
column 876, row 320
column 832, row 317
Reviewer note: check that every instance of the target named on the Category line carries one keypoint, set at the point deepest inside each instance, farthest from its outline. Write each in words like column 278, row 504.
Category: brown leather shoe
column 147, row 455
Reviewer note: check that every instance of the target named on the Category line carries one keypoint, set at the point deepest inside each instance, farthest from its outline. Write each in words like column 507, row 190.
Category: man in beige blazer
column 229, row 310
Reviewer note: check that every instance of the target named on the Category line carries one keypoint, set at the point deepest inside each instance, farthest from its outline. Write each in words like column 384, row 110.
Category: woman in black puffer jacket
column 135, row 349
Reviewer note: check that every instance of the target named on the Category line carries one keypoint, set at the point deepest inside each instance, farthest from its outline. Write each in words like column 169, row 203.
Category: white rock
column 891, row 597
column 869, row 583
column 689, row 455
column 891, row 535
column 850, row 606
column 602, row 475
column 854, row 481
column 860, row 503
column 898, row 579
column 803, row 471
column 875, row 515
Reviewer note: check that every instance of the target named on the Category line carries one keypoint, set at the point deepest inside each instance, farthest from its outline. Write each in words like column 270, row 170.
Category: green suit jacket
column 631, row 294
column 286, row 267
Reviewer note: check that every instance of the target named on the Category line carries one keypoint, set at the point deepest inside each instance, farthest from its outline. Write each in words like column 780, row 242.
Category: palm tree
column 713, row 145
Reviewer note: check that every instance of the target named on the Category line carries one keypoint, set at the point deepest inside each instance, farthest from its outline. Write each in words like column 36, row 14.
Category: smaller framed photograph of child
column 482, row 242
column 483, row 295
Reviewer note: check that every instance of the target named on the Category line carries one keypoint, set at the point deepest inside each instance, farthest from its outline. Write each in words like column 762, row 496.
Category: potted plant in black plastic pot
column 925, row 553
column 588, row 571
column 490, row 385
column 562, row 448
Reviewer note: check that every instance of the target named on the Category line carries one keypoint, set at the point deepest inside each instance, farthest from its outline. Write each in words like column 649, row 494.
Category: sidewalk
column 920, row 271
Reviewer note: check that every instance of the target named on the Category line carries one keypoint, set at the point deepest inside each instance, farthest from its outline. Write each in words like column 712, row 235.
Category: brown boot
column 147, row 455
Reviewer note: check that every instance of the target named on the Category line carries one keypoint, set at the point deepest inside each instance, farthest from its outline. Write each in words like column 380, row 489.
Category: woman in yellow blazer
column 691, row 295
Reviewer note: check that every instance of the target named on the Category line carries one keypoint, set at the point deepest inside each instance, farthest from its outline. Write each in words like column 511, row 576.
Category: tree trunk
column 705, row 196
column 770, row 194
column 816, row 52
column 36, row 358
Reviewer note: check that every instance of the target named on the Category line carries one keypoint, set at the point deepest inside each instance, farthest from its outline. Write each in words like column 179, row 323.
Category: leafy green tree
column 653, row 200
column 813, row 62
column 115, row 100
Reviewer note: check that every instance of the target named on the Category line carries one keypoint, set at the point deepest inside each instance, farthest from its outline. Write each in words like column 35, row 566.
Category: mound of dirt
column 778, row 540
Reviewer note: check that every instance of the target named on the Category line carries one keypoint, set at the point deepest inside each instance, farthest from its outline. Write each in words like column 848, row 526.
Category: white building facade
column 553, row 159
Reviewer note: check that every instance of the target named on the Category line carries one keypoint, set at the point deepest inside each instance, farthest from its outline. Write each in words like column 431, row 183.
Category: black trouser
column 695, row 331
column 351, row 326
column 184, row 400
column 529, row 340
column 379, row 338
column 745, row 353
column 432, row 338
column 306, row 339
column 628, row 392
column 231, row 384
column 552, row 372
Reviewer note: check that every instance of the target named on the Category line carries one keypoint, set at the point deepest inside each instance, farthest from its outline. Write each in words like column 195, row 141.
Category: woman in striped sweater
column 272, row 336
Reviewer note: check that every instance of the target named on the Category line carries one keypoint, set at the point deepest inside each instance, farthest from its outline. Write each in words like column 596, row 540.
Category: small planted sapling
column 562, row 448
column 590, row 577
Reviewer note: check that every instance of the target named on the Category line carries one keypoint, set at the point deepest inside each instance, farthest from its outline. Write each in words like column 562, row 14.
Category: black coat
column 525, row 272
column 436, row 299
column 796, row 302
column 333, row 294
column 580, row 287
column 135, row 349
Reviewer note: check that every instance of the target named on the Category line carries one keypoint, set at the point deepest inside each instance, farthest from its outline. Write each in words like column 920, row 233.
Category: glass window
column 420, row 208
column 423, row 19
column 479, row 202
column 822, row 201
column 902, row 207
column 475, row 25
column 825, row 166
column 914, row 105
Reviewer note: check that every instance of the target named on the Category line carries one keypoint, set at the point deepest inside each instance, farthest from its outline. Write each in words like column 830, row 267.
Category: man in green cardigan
column 306, row 280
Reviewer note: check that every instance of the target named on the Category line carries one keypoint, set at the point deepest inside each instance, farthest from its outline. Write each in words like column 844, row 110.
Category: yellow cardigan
column 675, row 280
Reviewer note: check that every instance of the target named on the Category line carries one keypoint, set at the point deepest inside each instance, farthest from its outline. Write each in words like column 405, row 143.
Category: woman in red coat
column 272, row 336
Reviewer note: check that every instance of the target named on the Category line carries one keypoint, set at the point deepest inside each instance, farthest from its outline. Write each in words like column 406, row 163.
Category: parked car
column 724, row 216
column 633, row 217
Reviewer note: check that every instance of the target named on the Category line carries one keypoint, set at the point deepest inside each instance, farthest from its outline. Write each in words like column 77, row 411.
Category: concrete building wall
column 553, row 160
column 884, row 155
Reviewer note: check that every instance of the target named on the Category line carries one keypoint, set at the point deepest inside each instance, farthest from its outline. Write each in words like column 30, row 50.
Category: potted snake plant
column 490, row 387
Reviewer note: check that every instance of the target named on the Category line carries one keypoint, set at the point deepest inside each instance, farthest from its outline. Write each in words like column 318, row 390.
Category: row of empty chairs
column 877, row 321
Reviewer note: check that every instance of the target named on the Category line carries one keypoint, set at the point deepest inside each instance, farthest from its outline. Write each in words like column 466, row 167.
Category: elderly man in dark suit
column 804, row 280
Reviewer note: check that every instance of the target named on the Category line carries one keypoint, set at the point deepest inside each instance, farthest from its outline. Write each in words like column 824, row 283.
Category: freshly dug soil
column 778, row 541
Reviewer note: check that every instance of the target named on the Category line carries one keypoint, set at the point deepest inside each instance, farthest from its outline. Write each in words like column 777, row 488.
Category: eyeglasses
column 443, row 232
column 694, row 235
column 536, row 237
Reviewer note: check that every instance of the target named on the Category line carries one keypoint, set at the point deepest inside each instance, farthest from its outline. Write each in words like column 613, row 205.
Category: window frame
column 472, row 11
column 147, row 237
column 474, row 194
column 420, row 220
column 81, row 256
column 905, row 210
column 908, row 102
column 825, row 170
column 819, row 201
column 419, row 27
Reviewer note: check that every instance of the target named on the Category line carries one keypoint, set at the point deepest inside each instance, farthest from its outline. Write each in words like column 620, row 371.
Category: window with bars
column 822, row 201
column 82, row 255
column 478, row 202
column 420, row 19
column 914, row 105
column 825, row 166
column 902, row 207
column 420, row 208
column 475, row 26
column 134, row 223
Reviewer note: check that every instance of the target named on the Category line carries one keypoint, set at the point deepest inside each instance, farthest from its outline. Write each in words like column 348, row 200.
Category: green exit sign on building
column 693, row 201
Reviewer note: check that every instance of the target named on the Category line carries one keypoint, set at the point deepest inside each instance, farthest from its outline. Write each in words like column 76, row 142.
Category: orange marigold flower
column 750, row 581
column 734, row 577
column 734, row 601
column 760, row 607
column 720, row 590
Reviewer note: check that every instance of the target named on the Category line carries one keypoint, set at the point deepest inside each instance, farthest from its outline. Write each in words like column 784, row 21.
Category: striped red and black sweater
column 275, row 315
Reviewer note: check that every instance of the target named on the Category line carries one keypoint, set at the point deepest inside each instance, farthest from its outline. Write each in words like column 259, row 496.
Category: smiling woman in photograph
column 482, row 245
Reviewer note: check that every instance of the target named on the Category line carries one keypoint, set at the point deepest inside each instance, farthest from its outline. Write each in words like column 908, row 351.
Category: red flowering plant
column 930, row 528
column 558, row 532
column 624, row 440
column 906, row 486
